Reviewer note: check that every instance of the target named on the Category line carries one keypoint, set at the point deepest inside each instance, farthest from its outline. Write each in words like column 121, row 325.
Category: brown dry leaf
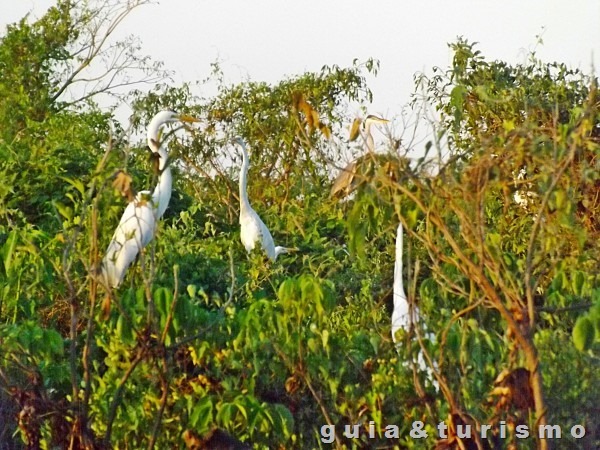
column 315, row 121
column 202, row 380
column 297, row 98
column 122, row 183
column 307, row 111
column 192, row 440
column 355, row 129
column 325, row 130
column 311, row 115
column 514, row 388
column 155, row 162
column 292, row 384
column 105, row 307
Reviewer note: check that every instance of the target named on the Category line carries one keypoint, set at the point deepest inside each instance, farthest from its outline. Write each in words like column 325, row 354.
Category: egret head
column 371, row 119
column 159, row 120
column 281, row 250
column 238, row 140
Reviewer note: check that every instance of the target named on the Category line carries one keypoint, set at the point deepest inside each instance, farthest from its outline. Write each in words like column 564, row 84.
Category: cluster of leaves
column 523, row 272
column 203, row 339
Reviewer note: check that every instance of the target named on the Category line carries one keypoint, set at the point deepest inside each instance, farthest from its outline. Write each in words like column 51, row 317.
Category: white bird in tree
column 404, row 315
column 367, row 135
column 138, row 223
column 253, row 229
column 345, row 182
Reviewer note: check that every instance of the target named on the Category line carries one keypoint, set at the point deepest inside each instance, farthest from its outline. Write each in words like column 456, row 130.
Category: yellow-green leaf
column 583, row 334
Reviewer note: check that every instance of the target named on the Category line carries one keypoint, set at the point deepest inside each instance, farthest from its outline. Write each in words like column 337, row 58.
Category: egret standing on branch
column 138, row 223
column 401, row 314
column 344, row 182
column 253, row 229
column 405, row 315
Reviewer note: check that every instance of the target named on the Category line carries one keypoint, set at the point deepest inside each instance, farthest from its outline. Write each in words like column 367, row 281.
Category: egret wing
column 250, row 230
column 135, row 231
column 267, row 241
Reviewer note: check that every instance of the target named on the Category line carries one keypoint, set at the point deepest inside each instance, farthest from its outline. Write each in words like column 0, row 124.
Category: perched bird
column 401, row 314
column 138, row 223
column 404, row 315
column 346, row 181
column 253, row 229
column 366, row 134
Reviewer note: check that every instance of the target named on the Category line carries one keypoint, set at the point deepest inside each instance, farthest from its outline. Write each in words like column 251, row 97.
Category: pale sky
column 265, row 40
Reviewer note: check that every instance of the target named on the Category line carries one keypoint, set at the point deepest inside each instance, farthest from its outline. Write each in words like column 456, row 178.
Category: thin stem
column 112, row 410
column 164, row 382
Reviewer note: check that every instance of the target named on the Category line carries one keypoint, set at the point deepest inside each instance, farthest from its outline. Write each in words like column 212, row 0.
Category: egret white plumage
column 401, row 314
column 367, row 135
column 405, row 315
column 253, row 229
column 344, row 182
column 138, row 223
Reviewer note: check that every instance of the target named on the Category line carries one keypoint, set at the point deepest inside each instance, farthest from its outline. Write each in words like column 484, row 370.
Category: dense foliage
column 203, row 339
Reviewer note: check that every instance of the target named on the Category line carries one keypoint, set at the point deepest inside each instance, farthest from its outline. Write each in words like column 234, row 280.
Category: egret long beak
column 376, row 119
column 187, row 118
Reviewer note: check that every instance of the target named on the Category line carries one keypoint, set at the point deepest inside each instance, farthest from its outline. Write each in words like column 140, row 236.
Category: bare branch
column 109, row 66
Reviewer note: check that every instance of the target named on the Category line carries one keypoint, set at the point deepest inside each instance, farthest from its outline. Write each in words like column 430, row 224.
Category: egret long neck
column 398, row 282
column 369, row 142
column 162, row 192
column 244, row 203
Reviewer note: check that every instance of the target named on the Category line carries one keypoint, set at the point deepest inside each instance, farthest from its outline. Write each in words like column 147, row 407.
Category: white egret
column 367, row 135
column 253, row 229
column 401, row 314
column 138, row 223
column 405, row 315
column 344, row 182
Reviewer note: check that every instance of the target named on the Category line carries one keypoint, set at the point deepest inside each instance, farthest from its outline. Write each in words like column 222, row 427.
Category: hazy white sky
column 268, row 39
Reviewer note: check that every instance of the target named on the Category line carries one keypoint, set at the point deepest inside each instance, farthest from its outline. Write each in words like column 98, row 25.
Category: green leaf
column 325, row 338
column 201, row 416
column 54, row 342
column 65, row 211
column 8, row 250
column 578, row 283
column 123, row 329
column 457, row 98
column 411, row 217
column 225, row 413
column 453, row 340
column 583, row 334
column 77, row 184
column 285, row 424
column 596, row 321
column 560, row 198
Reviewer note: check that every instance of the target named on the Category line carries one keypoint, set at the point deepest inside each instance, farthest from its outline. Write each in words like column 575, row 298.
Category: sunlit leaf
column 583, row 334
column 355, row 129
